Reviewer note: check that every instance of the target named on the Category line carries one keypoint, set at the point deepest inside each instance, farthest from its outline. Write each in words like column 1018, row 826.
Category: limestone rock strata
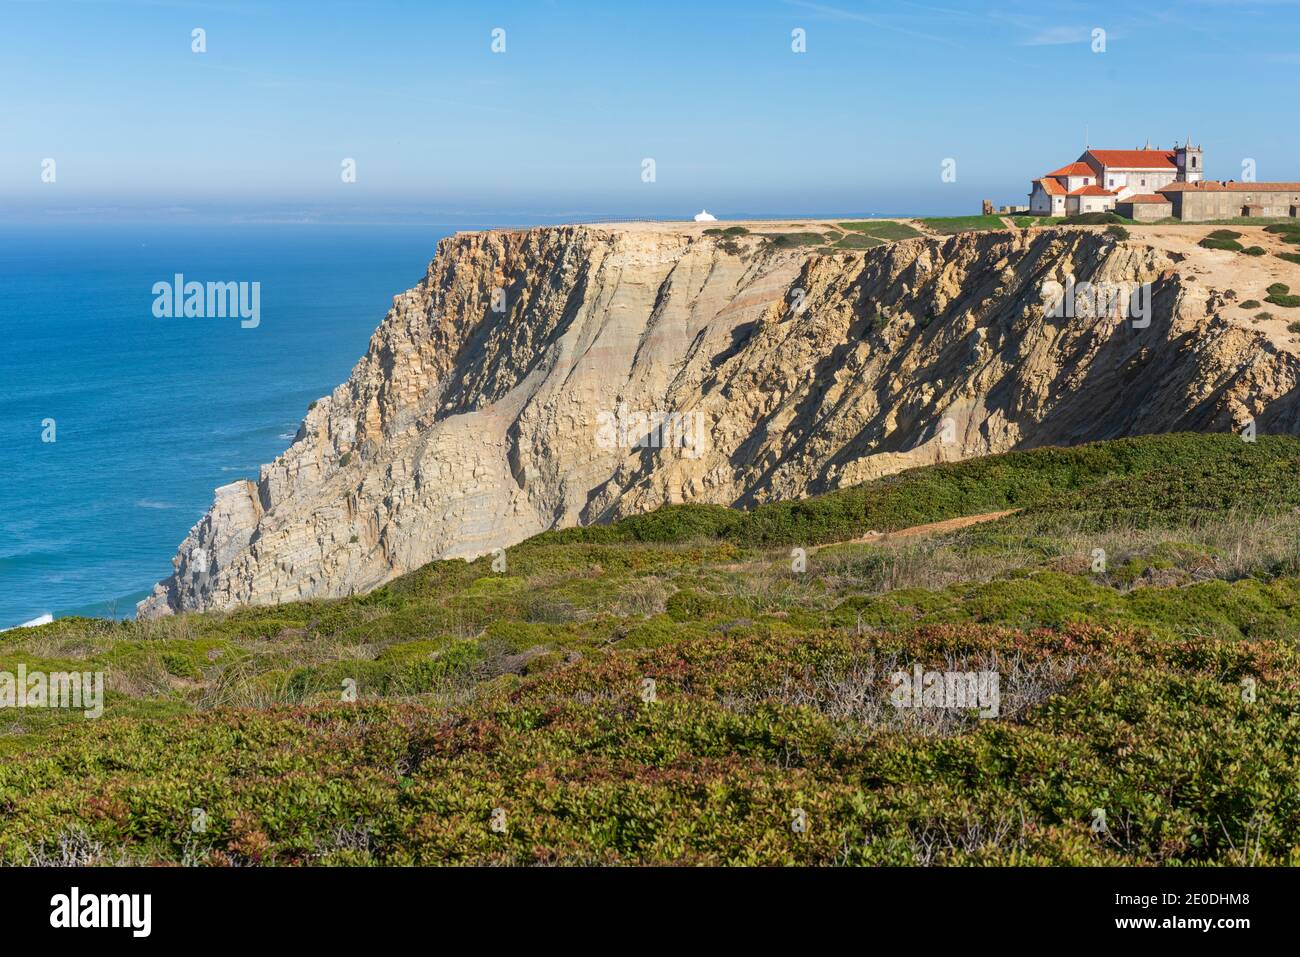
column 505, row 394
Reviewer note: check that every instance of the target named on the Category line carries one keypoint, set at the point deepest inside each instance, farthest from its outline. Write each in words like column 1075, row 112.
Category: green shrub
column 1249, row 304
column 687, row 604
column 1116, row 230
column 1279, row 294
column 1224, row 234
column 1093, row 219
column 1230, row 245
column 886, row 230
column 1255, row 251
column 949, row 225
column 859, row 241
column 791, row 240
column 1103, row 483
column 744, row 727
column 525, row 691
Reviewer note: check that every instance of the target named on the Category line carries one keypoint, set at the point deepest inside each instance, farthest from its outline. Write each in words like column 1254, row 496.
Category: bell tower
column 1190, row 161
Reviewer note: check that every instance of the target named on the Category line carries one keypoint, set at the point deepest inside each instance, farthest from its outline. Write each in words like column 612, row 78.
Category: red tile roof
column 1051, row 187
column 1146, row 198
column 1077, row 168
column 1134, row 159
column 1214, row 186
column 1093, row 190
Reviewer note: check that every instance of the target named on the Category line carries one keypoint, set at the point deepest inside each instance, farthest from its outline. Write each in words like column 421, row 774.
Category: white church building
column 1099, row 179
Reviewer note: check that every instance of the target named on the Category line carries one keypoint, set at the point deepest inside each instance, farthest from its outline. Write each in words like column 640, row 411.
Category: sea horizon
column 100, row 510
column 148, row 416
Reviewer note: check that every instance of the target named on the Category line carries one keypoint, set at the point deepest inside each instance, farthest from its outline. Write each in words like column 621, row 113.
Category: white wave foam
column 44, row 619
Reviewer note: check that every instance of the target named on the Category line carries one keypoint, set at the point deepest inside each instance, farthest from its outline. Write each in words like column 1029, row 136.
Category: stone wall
column 1145, row 212
column 1201, row 205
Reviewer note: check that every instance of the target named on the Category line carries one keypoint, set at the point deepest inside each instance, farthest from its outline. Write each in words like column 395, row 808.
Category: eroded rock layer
column 506, row 393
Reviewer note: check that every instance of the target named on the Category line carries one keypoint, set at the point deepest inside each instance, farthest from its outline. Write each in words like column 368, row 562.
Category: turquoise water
column 150, row 415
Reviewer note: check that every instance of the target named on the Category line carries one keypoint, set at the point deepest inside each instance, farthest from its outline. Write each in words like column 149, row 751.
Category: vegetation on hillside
column 1279, row 294
column 1225, row 239
column 949, row 225
column 788, row 240
column 1096, row 219
column 707, row 685
column 886, row 230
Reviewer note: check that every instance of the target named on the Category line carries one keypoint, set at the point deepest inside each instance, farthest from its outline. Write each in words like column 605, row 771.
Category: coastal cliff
column 567, row 375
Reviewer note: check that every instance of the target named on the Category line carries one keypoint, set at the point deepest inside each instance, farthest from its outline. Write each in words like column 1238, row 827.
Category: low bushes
column 1279, row 294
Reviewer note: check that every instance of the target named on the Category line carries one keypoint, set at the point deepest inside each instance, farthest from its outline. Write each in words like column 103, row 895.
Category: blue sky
column 558, row 124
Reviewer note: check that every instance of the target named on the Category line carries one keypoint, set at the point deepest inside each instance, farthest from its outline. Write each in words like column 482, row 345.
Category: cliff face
column 507, row 392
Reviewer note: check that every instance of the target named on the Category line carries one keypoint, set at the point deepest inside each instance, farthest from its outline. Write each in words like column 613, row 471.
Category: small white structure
column 704, row 216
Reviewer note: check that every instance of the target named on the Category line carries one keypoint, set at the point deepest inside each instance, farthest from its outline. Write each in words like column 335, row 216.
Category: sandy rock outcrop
column 548, row 377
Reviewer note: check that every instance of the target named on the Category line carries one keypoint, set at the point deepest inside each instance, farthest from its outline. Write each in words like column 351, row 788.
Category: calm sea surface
column 150, row 415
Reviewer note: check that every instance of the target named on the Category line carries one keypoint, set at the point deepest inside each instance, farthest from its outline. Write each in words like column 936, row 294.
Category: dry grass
column 859, row 695
column 74, row 847
column 1229, row 546
column 933, row 842
column 147, row 678
column 643, row 597
column 238, row 686
column 770, row 586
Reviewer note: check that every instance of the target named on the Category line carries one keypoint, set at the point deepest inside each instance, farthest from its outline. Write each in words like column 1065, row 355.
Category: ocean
column 148, row 415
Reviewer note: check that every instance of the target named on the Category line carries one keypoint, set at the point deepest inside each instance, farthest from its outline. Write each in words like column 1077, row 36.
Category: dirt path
column 916, row 531
column 921, row 228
